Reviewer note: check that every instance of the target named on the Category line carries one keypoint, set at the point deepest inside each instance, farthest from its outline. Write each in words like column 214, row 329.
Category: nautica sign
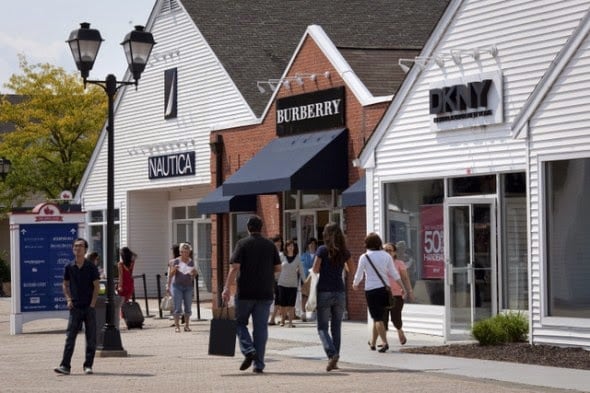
column 172, row 165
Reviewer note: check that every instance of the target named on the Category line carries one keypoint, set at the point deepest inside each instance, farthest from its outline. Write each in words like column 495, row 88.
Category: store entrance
column 303, row 225
column 470, row 255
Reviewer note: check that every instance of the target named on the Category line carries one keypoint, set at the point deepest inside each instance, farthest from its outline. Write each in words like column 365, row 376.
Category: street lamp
column 85, row 43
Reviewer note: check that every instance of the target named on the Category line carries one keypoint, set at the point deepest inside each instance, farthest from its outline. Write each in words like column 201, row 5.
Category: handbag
column 222, row 334
column 166, row 304
column 391, row 301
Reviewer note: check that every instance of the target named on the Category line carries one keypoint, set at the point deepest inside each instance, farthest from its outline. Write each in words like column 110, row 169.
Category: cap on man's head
column 254, row 224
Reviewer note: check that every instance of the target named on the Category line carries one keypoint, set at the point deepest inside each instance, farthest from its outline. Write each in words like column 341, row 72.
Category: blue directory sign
column 45, row 250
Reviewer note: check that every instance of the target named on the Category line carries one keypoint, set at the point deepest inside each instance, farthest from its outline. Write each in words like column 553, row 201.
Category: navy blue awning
column 355, row 195
column 216, row 202
column 314, row 161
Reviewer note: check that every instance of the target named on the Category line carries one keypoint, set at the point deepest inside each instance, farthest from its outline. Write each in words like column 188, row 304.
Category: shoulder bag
column 391, row 301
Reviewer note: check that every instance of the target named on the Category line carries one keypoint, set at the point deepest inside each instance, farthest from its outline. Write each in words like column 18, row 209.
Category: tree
column 56, row 127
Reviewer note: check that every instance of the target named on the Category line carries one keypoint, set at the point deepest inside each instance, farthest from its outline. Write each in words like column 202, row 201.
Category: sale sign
column 431, row 235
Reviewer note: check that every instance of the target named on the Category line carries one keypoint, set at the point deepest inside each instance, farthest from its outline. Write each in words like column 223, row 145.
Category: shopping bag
column 167, row 304
column 312, row 299
column 222, row 334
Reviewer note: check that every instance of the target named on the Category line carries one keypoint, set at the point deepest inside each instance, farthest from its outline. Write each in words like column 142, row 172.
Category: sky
column 39, row 28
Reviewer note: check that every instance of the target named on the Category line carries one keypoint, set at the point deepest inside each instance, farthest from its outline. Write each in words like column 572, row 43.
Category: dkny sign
column 172, row 165
column 316, row 111
column 466, row 102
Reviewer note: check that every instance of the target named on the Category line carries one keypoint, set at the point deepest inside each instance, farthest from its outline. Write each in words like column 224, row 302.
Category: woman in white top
column 181, row 274
column 288, row 283
column 375, row 290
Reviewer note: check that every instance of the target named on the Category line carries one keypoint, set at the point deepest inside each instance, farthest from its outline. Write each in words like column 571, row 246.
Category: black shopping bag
column 222, row 335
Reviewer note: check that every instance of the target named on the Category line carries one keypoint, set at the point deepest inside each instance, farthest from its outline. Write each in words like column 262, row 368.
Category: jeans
column 87, row 315
column 182, row 295
column 260, row 310
column 330, row 311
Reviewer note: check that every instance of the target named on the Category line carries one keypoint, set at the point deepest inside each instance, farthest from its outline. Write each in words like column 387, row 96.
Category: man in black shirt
column 254, row 263
column 80, row 286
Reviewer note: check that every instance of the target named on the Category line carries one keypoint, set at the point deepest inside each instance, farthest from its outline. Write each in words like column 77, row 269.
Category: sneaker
column 87, row 370
column 62, row 370
column 257, row 370
column 248, row 360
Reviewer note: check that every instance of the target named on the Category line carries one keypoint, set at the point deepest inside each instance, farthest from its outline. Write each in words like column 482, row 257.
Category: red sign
column 432, row 240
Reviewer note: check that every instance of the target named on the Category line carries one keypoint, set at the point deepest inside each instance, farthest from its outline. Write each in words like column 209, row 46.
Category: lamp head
column 84, row 44
column 404, row 67
column 138, row 45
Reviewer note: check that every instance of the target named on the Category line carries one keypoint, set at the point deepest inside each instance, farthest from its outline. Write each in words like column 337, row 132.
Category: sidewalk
column 160, row 360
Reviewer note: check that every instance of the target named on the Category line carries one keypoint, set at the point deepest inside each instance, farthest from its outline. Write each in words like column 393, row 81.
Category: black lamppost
column 84, row 44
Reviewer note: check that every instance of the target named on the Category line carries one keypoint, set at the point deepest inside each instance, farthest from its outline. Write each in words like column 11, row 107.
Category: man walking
column 256, row 259
column 80, row 286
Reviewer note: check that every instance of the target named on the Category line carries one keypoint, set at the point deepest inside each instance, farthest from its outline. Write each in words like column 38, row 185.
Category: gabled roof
column 366, row 157
column 255, row 39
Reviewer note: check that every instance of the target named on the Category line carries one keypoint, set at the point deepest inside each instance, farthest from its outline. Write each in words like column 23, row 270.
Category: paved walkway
column 160, row 360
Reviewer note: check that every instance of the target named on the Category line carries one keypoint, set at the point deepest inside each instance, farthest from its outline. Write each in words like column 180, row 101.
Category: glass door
column 470, row 255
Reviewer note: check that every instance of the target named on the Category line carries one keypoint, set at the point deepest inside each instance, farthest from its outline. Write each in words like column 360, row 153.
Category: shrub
column 489, row 332
column 500, row 329
column 4, row 271
column 516, row 326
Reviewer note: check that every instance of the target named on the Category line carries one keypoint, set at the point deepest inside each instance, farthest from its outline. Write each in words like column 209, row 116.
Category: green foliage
column 516, row 326
column 489, row 332
column 4, row 271
column 56, row 129
column 500, row 329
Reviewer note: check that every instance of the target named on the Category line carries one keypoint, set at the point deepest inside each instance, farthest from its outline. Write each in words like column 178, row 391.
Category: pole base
column 111, row 354
column 111, row 343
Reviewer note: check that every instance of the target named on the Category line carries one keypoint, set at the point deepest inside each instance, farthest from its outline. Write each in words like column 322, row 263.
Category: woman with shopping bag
column 329, row 262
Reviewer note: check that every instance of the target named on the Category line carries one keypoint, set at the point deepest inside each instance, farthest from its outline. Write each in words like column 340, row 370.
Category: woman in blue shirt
column 330, row 261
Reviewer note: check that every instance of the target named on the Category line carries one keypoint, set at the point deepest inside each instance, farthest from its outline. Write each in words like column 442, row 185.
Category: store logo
column 172, row 165
column 469, row 101
column 457, row 98
column 320, row 110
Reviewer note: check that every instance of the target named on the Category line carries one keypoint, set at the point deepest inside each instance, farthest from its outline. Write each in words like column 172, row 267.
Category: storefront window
column 316, row 200
column 414, row 222
column 290, row 200
column 472, row 185
column 567, row 233
column 179, row 213
column 514, row 240
column 98, row 229
column 239, row 229
column 308, row 218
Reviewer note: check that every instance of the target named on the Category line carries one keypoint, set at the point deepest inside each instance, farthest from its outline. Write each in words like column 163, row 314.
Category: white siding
column 528, row 35
column 148, row 237
column 560, row 129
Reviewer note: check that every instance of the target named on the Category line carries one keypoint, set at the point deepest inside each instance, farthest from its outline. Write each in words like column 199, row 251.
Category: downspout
column 217, row 147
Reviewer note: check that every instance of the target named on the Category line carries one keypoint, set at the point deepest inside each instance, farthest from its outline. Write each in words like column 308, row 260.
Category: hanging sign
column 320, row 110
column 172, row 165
column 473, row 100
